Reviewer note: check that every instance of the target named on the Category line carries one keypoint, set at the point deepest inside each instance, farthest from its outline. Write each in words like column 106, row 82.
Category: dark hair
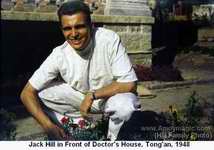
column 72, row 7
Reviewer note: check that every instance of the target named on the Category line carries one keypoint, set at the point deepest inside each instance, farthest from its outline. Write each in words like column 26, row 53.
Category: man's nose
column 74, row 32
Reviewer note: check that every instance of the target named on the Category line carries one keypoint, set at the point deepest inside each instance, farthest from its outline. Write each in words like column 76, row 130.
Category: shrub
column 7, row 128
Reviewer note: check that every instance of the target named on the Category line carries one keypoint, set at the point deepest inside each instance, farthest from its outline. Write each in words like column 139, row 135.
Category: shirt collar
column 85, row 53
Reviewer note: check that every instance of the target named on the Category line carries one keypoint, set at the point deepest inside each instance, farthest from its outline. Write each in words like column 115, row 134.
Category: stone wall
column 206, row 36
column 135, row 31
column 137, row 39
column 203, row 13
column 96, row 6
column 127, row 7
column 203, row 16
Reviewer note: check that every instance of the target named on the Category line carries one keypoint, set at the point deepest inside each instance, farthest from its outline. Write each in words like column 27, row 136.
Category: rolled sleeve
column 46, row 72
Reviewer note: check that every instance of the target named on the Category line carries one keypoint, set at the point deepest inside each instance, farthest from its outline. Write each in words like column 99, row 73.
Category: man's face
column 76, row 30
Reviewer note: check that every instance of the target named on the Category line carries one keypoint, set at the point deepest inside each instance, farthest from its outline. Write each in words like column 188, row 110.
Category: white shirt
column 108, row 61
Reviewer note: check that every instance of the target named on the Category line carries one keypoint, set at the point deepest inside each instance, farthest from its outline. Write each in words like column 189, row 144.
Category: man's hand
column 86, row 104
column 29, row 97
column 55, row 132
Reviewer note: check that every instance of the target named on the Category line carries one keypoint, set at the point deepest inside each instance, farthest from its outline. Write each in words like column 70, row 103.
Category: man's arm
column 29, row 97
column 106, row 92
column 114, row 88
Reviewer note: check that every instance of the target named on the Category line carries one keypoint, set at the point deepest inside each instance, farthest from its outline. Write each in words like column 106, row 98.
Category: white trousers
column 64, row 100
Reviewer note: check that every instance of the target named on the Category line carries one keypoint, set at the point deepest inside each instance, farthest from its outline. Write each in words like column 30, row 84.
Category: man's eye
column 66, row 28
column 76, row 27
column 81, row 26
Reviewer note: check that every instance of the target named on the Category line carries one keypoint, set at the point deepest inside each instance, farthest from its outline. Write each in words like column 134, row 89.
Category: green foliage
column 193, row 111
column 189, row 121
column 163, row 9
column 7, row 128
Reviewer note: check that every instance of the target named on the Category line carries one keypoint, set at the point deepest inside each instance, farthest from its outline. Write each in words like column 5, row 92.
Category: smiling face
column 76, row 30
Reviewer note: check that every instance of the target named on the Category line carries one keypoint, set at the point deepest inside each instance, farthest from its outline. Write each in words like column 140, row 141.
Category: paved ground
column 177, row 97
column 197, row 70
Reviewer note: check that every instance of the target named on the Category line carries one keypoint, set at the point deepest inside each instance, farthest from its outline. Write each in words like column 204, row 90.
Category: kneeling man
column 96, row 76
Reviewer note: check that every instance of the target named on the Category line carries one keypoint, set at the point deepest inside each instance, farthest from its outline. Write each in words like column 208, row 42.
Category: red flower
column 64, row 120
column 82, row 123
